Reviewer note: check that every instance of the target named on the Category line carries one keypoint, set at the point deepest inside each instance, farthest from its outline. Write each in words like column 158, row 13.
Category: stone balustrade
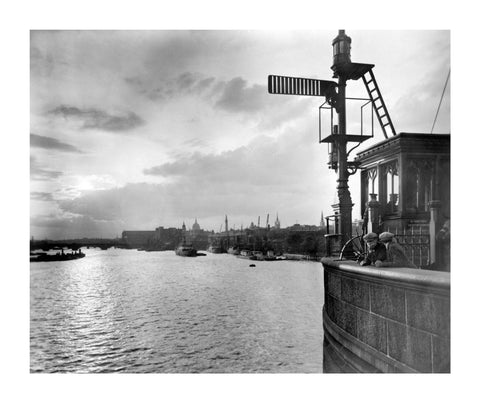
column 386, row 319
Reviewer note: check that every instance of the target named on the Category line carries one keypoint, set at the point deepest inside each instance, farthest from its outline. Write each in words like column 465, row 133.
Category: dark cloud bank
column 51, row 144
column 37, row 172
column 92, row 118
column 41, row 196
column 236, row 96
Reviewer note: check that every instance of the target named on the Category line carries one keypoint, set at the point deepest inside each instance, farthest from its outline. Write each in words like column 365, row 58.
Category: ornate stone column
column 434, row 206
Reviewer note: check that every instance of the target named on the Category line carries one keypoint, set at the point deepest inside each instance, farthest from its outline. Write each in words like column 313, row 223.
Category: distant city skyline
column 131, row 130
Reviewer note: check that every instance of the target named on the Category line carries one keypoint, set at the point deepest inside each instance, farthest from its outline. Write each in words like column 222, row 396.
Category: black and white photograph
column 206, row 201
column 245, row 203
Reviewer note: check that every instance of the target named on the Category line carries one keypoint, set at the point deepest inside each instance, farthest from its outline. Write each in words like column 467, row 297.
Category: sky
column 131, row 130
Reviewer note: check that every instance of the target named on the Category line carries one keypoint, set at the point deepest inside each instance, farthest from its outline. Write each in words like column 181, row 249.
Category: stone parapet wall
column 387, row 319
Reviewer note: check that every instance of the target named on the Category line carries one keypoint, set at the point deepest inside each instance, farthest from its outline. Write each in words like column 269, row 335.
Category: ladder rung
column 368, row 79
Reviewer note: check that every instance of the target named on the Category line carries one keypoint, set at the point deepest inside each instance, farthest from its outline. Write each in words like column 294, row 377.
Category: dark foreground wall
column 385, row 319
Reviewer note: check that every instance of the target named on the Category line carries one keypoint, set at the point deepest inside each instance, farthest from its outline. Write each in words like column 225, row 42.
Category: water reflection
column 130, row 311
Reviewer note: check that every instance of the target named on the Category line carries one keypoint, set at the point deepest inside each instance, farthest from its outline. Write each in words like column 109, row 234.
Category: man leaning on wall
column 376, row 251
column 396, row 256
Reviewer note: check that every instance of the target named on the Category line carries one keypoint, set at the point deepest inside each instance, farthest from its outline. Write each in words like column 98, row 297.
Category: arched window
column 372, row 176
column 419, row 184
column 389, row 187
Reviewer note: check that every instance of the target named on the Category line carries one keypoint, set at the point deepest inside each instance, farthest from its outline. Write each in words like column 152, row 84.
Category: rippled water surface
column 130, row 311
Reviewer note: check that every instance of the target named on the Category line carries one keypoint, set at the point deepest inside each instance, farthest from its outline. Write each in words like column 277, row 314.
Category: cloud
column 43, row 64
column 204, row 84
column 264, row 164
column 234, row 95
column 195, row 142
column 267, row 176
column 69, row 226
column 92, row 118
column 416, row 110
column 38, row 173
column 223, row 169
column 186, row 83
column 134, row 201
column 166, row 52
column 238, row 97
column 254, row 102
column 51, row 144
column 41, row 196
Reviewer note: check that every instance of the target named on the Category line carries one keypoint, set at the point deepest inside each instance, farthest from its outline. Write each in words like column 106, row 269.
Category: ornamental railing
column 416, row 242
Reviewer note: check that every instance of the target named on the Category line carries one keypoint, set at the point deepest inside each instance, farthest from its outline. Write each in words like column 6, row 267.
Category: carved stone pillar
column 434, row 206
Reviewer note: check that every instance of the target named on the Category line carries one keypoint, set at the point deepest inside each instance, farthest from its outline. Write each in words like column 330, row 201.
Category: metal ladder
column 378, row 103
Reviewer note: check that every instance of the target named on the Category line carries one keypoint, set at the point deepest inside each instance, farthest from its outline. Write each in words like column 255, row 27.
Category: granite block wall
column 404, row 323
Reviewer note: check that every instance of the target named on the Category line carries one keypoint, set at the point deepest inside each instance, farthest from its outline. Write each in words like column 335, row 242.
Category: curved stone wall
column 386, row 319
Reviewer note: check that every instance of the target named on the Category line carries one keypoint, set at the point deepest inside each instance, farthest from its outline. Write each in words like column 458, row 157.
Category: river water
column 154, row 312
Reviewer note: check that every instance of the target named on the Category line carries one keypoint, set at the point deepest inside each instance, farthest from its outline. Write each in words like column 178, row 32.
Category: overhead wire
column 441, row 99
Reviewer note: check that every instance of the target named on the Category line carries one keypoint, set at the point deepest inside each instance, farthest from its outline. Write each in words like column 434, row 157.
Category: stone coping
column 426, row 278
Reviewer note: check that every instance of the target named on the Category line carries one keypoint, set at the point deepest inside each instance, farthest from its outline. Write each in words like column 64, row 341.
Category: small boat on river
column 247, row 254
column 186, row 250
column 58, row 257
column 215, row 249
column 234, row 250
column 257, row 255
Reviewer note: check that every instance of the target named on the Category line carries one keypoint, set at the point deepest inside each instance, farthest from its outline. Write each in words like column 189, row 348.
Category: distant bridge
column 75, row 244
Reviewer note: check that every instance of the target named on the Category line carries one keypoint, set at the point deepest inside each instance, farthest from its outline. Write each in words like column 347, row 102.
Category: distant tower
column 277, row 223
column 195, row 227
column 322, row 221
column 184, row 228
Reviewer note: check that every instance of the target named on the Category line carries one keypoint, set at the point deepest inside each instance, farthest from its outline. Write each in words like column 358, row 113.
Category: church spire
column 277, row 222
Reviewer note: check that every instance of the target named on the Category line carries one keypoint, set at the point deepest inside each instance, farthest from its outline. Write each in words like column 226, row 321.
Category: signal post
column 335, row 95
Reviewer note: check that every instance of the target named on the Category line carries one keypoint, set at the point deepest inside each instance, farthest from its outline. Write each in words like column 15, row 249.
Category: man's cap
column 386, row 236
column 370, row 236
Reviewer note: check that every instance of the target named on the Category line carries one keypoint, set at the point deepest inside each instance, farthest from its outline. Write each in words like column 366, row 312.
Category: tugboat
column 270, row 256
column 186, row 249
